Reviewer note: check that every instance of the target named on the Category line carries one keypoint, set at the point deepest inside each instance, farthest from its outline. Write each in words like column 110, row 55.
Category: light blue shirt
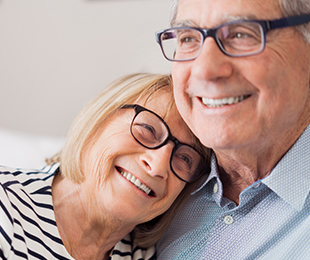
column 272, row 220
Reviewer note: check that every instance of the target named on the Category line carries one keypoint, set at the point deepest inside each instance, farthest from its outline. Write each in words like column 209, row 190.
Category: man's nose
column 212, row 64
column 156, row 162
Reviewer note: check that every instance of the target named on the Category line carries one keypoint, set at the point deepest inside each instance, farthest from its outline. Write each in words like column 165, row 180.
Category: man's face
column 271, row 89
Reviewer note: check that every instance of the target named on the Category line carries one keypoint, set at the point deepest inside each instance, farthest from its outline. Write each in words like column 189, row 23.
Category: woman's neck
column 86, row 233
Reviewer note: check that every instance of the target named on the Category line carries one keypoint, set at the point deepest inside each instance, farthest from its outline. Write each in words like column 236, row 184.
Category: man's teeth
column 136, row 182
column 222, row 101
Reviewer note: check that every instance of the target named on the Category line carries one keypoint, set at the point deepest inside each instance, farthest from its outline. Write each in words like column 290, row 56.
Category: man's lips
column 215, row 103
column 135, row 181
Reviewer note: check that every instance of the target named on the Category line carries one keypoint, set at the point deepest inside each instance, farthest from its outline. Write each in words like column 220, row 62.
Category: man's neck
column 240, row 168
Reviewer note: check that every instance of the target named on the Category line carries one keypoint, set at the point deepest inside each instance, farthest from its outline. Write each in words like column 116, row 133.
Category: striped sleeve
column 7, row 235
column 27, row 225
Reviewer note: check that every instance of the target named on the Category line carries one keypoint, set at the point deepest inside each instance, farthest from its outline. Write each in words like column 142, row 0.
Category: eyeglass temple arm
column 288, row 21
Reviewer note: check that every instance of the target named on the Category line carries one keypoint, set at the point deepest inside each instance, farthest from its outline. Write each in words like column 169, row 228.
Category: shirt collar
column 290, row 179
column 213, row 174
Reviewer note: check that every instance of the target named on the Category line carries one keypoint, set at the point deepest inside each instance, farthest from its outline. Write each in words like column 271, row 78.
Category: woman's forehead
column 159, row 102
column 162, row 103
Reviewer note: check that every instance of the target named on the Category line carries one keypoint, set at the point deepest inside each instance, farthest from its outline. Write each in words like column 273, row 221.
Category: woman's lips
column 135, row 181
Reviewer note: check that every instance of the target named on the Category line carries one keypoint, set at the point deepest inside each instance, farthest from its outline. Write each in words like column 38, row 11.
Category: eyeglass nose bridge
column 169, row 138
column 211, row 33
column 173, row 139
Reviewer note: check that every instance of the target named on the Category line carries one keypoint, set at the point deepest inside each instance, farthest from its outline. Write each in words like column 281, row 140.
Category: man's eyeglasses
column 236, row 39
column 152, row 132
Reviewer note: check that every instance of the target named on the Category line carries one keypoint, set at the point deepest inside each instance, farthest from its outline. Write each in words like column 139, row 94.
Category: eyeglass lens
column 151, row 132
column 235, row 39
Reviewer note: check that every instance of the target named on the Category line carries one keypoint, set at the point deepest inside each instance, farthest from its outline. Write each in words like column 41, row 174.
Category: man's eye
column 240, row 35
column 238, row 32
column 187, row 39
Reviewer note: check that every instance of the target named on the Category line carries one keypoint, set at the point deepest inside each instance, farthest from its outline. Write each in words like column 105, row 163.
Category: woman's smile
column 136, row 182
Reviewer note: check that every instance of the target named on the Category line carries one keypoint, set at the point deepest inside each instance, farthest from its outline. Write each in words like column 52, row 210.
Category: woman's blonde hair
column 122, row 91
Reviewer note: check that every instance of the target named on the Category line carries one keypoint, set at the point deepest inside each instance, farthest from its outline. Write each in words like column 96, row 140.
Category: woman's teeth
column 136, row 182
column 214, row 103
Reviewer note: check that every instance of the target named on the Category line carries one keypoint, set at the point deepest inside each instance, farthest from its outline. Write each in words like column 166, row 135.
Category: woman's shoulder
column 17, row 176
column 127, row 249
column 19, row 185
column 26, row 214
column 45, row 169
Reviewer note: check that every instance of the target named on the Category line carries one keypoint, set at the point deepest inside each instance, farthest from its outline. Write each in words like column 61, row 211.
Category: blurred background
column 56, row 55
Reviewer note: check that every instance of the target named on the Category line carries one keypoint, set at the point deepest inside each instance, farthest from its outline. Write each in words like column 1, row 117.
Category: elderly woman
column 128, row 163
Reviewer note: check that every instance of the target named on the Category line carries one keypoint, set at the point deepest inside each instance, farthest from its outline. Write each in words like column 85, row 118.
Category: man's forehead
column 223, row 19
column 210, row 13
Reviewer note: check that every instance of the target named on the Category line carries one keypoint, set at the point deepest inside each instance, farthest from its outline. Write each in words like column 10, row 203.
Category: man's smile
column 215, row 103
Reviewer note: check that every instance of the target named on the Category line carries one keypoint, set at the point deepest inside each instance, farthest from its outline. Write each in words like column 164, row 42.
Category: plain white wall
column 55, row 55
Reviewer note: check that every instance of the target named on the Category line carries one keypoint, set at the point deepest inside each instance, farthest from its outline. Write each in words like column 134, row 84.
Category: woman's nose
column 156, row 162
column 212, row 63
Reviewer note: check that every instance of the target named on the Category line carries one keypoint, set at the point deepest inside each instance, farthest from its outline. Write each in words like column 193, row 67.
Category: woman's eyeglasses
column 152, row 132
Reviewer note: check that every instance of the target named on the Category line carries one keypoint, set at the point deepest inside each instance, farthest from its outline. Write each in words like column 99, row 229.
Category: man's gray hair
column 289, row 8
column 297, row 7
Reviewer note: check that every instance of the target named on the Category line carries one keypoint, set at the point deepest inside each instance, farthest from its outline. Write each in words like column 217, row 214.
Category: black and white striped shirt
column 27, row 223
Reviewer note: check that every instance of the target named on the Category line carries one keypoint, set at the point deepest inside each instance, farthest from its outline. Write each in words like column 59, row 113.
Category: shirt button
column 215, row 188
column 228, row 219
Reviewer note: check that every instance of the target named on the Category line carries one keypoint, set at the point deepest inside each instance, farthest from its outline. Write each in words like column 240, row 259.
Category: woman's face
column 113, row 152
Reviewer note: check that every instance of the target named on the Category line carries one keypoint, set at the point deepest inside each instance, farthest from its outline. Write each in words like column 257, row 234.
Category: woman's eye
column 146, row 131
column 186, row 160
column 149, row 128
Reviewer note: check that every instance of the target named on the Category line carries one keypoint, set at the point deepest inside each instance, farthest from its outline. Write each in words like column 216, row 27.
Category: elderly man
column 241, row 71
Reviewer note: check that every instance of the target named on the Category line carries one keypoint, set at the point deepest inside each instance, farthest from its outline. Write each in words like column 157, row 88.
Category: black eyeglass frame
column 138, row 109
column 266, row 25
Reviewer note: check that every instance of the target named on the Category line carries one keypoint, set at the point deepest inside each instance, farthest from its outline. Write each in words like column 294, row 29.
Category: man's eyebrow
column 224, row 19
column 185, row 23
column 232, row 18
